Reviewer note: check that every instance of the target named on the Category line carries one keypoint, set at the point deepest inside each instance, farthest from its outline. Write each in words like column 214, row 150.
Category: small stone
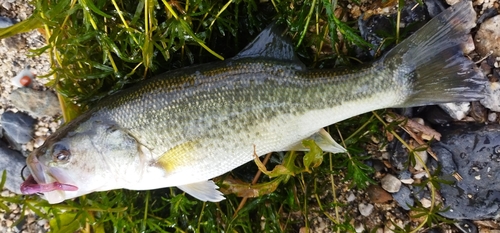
column 468, row 46
column 6, row 5
column 426, row 203
column 36, row 103
column 5, row 193
column 359, row 228
column 405, row 177
column 365, row 210
column 492, row 117
column 488, row 37
column 492, row 97
column 378, row 194
column 390, row 183
column 30, row 146
column 42, row 222
column 420, row 162
column 351, row 197
column 403, row 197
column 39, row 142
column 456, row 110
column 18, row 127
column 13, row 206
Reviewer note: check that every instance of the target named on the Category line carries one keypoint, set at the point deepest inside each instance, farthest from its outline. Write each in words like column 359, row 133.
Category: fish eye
column 60, row 153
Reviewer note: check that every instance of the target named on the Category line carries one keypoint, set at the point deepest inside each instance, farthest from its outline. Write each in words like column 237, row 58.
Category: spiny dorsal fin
column 271, row 44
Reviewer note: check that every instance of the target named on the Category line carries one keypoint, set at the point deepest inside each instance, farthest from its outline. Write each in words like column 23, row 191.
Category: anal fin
column 204, row 191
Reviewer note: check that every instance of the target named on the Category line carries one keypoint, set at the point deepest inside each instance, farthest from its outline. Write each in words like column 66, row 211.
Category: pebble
column 390, row 183
column 377, row 194
column 488, row 37
column 351, row 197
column 365, row 209
column 359, row 228
column 404, row 197
column 36, row 103
column 13, row 162
column 39, row 142
column 492, row 117
column 419, row 163
column 405, row 177
column 456, row 110
column 18, row 127
column 492, row 97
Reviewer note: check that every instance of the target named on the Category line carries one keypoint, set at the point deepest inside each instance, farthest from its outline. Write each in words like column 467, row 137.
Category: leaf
column 4, row 179
column 27, row 25
column 314, row 157
column 351, row 35
column 279, row 170
column 89, row 4
column 69, row 222
column 358, row 172
column 243, row 189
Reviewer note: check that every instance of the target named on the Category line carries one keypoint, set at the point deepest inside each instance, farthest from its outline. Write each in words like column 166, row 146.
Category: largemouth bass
column 184, row 127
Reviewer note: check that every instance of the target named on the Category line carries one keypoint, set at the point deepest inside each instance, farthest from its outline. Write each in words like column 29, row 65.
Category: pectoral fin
column 204, row 191
column 323, row 140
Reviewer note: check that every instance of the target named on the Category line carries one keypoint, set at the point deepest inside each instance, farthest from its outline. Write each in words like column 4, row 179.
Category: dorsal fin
column 271, row 44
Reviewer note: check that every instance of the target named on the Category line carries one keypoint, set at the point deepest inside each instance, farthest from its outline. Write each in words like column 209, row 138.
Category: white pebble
column 426, row 203
column 39, row 142
column 423, row 156
column 390, row 183
column 351, row 197
column 42, row 222
column 492, row 116
column 365, row 210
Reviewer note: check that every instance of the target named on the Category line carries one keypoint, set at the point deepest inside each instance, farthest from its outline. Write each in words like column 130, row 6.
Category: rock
column 472, row 151
column 377, row 194
column 6, row 22
column 36, row 103
column 365, row 209
column 13, row 162
column 17, row 127
column 492, row 97
column 404, row 198
column 488, row 37
column 390, row 183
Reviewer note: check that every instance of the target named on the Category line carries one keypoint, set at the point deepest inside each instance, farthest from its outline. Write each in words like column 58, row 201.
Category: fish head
column 77, row 160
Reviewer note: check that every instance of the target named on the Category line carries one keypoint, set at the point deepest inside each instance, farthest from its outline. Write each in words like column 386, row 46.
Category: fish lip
column 38, row 181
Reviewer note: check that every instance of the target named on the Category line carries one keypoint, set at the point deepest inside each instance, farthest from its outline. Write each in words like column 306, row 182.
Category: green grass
column 97, row 47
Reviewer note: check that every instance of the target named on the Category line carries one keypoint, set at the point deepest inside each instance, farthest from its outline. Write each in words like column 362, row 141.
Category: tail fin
column 433, row 63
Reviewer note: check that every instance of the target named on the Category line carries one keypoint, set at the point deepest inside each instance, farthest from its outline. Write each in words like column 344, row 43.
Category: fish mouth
column 38, row 181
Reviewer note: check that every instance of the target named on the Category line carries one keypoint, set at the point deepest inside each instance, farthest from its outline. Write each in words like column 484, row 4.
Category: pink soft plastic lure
column 30, row 186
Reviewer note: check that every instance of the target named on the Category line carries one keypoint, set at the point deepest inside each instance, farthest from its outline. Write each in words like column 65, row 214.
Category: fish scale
column 187, row 126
